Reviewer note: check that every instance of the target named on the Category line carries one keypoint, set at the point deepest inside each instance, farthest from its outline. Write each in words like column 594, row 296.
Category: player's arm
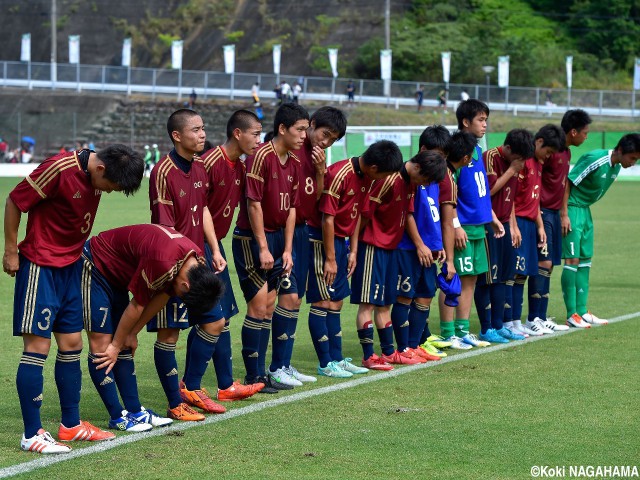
column 219, row 263
column 287, row 256
column 328, row 234
column 319, row 159
column 353, row 249
column 513, row 170
column 254, row 208
column 424, row 254
column 542, row 235
column 564, row 210
column 447, row 214
column 12, row 215
column 496, row 225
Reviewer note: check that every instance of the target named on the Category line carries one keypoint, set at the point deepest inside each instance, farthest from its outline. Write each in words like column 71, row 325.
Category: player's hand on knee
column 107, row 359
column 10, row 263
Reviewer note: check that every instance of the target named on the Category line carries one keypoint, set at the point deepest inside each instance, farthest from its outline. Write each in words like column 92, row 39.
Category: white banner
column 126, row 52
column 229, row 58
column 385, row 64
column 25, row 51
column 277, row 50
column 74, row 48
column 402, row 139
column 503, row 71
column 636, row 75
column 446, row 66
column 569, row 71
column 333, row 61
column 176, row 54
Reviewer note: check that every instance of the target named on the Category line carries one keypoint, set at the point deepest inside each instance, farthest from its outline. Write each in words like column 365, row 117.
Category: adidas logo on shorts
column 106, row 381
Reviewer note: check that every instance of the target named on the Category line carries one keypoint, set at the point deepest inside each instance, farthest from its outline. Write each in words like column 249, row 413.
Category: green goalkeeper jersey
column 591, row 177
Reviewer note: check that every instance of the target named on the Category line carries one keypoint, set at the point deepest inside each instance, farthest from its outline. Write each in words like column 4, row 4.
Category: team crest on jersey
column 237, row 181
column 351, row 192
column 363, row 189
column 182, row 193
column 77, row 195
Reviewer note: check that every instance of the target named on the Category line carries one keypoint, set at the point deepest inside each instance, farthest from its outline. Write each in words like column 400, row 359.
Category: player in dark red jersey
column 263, row 237
column 326, row 125
column 375, row 277
column 61, row 197
column 226, row 175
column 332, row 260
column 152, row 262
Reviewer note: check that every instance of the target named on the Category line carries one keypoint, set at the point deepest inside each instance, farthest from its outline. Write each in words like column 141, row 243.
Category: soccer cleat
column 438, row 341
column 539, row 325
column 184, row 413
column 492, row 336
column 333, row 370
column 200, row 398
column 431, row 350
column 346, row 365
column 128, row 424
column 420, row 352
column 551, row 325
column 374, row 362
column 84, row 431
column 266, row 386
column 516, row 328
column 576, row 321
column 593, row 320
column 237, row 391
column 457, row 343
column 402, row 358
column 304, row 378
column 525, row 328
column 150, row 417
column 510, row 334
column 474, row 341
column 281, row 376
column 43, row 442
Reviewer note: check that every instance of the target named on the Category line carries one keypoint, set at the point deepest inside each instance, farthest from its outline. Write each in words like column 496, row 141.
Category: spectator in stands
column 351, row 91
column 4, row 148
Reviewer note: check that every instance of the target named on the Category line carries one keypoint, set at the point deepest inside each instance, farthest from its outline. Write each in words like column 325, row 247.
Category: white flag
column 176, row 54
column 25, row 52
column 126, row 52
column 229, row 58
column 385, row 64
column 636, row 75
column 503, row 71
column 333, row 61
column 74, row 48
column 277, row 49
column 446, row 66
column 569, row 71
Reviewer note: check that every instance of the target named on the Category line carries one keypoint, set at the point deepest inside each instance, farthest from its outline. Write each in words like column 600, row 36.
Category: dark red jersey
column 448, row 188
column 502, row 200
column 527, row 201
column 307, row 184
column 554, row 179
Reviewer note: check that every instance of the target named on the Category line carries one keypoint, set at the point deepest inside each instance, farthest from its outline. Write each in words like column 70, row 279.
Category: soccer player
column 575, row 124
column 548, row 140
column 151, row 262
column 332, row 260
column 502, row 165
column 61, row 197
column 326, row 125
column 418, row 252
column 374, row 281
column 226, row 174
column 263, row 237
column 589, row 180
column 178, row 190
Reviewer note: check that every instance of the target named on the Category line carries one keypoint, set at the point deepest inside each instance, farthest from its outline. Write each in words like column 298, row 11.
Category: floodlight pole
column 487, row 69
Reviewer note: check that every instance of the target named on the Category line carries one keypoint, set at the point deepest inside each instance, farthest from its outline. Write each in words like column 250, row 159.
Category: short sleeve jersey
column 226, row 187
column 448, row 187
column 427, row 216
column 554, row 179
column 61, row 205
column 528, row 195
column 591, row 177
column 177, row 198
column 143, row 259
column 272, row 184
column 307, row 184
column 502, row 201
column 474, row 201
column 390, row 201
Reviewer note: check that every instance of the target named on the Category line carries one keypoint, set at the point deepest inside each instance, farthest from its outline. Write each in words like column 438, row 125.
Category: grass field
column 569, row 400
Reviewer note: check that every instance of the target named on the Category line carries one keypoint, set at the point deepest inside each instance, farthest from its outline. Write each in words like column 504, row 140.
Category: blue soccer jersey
column 426, row 212
column 474, row 201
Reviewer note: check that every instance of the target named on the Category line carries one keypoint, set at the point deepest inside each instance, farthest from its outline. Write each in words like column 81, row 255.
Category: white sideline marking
column 46, row 461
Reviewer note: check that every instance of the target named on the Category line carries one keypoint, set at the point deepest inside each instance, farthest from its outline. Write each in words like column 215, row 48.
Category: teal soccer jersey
column 591, row 177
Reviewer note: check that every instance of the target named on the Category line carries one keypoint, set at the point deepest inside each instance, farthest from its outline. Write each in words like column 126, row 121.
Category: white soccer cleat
column 527, row 330
column 576, row 321
column 593, row 320
column 43, row 442
column 539, row 325
column 550, row 324
column 516, row 328
column 304, row 378
column 281, row 376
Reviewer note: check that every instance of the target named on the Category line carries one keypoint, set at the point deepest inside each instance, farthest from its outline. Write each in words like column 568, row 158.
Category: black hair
column 205, row 290
column 435, row 137
column 122, row 166
column 331, row 118
column 178, row 120
column 462, row 143
column 575, row 118
column 469, row 109
column 242, row 119
column 521, row 142
column 552, row 136
column 385, row 155
column 630, row 143
column 288, row 114
column 207, row 146
column 431, row 165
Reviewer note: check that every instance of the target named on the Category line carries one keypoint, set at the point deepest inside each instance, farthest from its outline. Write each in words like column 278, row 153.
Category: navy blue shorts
column 375, row 278
column 228, row 300
column 297, row 281
column 317, row 288
column 414, row 280
column 527, row 254
column 47, row 299
column 553, row 228
column 501, row 256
